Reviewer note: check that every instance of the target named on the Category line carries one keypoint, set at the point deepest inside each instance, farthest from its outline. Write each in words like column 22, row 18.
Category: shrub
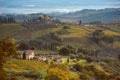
column 74, row 76
column 108, row 39
column 64, row 51
column 63, row 67
column 72, row 56
column 67, row 50
column 60, row 72
column 89, row 59
column 79, row 67
column 81, row 56
column 14, row 78
column 98, row 71
column 66, row 27
column 119, row 56
column 83, row 50
column 57, row 74
column 84, row 77
column 55, row 36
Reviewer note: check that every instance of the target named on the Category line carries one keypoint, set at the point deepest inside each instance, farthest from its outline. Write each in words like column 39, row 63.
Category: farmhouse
column 57, row 58
column 29, row 54
column 41, row 58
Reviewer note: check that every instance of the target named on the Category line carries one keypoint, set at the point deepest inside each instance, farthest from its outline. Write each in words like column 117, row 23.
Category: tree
column 119, row 56
column 78, row 67
column 23, row 45
column 79, row 22
column 66, row 27
column 7, row 49
column 97, row 36
column 64, row 51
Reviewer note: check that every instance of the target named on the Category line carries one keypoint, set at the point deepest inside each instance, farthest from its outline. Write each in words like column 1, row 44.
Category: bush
column 89, row 59
column 83, row 50
column 119, row 56
column 60, row 72
column 66, row 27
column 108, row 39
column 67, row 50
column 79, row 67
column 72, row 56
column 55, row 36
column 81, row 56
column 57, row 74
column 64, row 51
column 98, row 71
column 63, row 67
column 84, row 77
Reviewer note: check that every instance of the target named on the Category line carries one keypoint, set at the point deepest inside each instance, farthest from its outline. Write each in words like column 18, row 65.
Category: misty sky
column 46, row 6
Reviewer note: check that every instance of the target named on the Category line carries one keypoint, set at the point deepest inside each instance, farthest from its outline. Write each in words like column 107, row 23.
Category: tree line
column 7, row 19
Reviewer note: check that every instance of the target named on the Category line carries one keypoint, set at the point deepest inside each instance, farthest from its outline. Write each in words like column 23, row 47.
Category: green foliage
column 57, row 74
column 79, row 67
column 63, row 67
column 89, row 59
column 100, row 35
column 25, row 68
column 84, row 76
column 60, row 72
column 98, row 71
column 55, row 36
column 109, row 39
column 83, row 50
column 64, row 51
column 21, row 66
column 67, row 50
column 72, row 56
column 23, row 45
column 66, row 27
column 97, row 36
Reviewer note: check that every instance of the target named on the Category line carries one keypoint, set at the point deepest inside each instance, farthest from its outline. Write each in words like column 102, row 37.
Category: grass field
column 22, row 66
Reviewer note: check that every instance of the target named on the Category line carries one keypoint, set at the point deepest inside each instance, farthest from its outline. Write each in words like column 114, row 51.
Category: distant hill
column 90, row 15
column 22, row 17
column 86, row 15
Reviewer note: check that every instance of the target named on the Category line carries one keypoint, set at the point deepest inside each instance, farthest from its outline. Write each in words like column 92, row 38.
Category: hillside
column 22, row 17
column 76, row 36
column 91, row 15
column 90, row 51
column 86, row 15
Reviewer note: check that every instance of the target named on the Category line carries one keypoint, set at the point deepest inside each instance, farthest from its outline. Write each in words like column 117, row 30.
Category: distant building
column 57, row 58
column 41, row 58
column 29, row 54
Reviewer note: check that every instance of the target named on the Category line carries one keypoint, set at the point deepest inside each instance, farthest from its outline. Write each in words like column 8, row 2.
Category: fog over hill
column 90, row 15
column 85, row 15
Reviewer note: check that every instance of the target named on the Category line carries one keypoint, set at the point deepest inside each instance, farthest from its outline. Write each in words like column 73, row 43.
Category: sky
column 48, row 6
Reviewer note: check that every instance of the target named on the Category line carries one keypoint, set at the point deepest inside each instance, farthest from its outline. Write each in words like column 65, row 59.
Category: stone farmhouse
column 28, row 54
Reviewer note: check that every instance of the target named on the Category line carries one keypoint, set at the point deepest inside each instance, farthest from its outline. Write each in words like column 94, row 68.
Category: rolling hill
column 76, row 36
column 90, row 15
column 86, row 15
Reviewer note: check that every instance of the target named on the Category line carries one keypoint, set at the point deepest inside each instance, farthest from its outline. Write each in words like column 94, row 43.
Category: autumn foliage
column 7, row 48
